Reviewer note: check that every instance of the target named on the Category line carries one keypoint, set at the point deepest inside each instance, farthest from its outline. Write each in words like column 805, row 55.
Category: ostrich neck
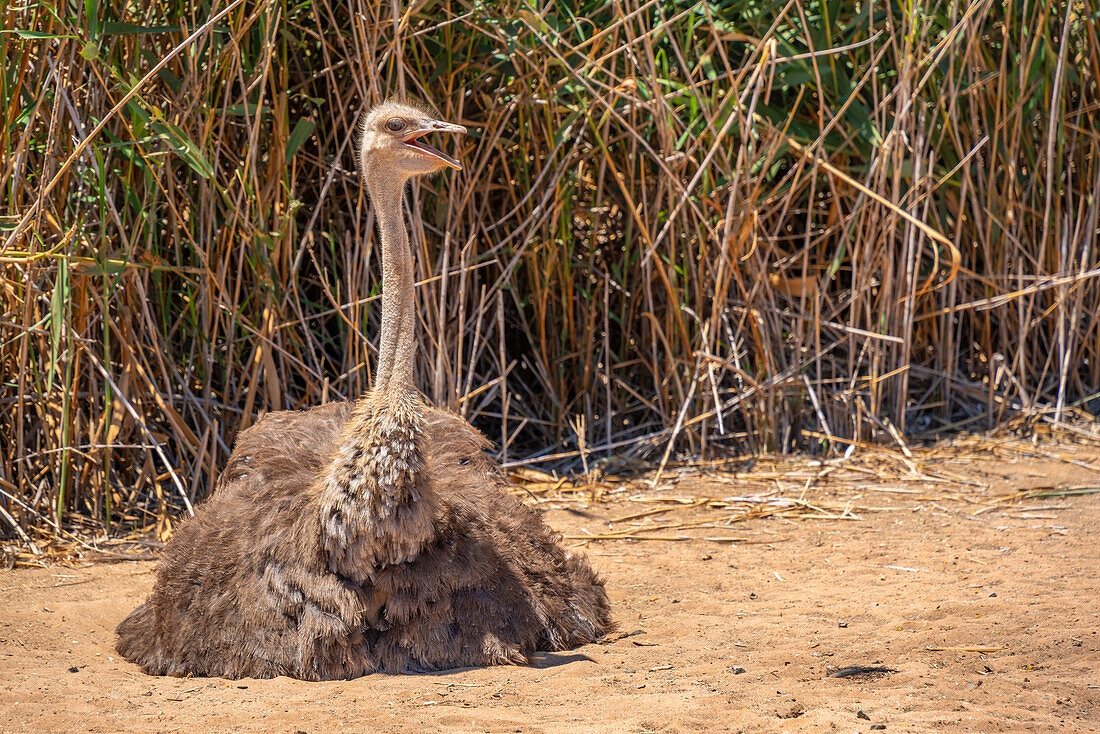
column 396, row 345
column 376, row 509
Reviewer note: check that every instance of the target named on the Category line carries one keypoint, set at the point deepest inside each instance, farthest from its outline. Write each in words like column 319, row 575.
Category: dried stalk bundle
column 684, row 229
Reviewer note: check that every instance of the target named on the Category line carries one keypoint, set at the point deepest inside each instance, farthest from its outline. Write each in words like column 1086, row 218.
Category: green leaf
column 243, row 110
column 57, row 310
column 111, row 268
column 184, row 147
column 165, row 74
column 302, row 130
column 91, row 14
column 35, row 35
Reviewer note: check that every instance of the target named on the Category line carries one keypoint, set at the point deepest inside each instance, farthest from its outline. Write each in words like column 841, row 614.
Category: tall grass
column 689, row 227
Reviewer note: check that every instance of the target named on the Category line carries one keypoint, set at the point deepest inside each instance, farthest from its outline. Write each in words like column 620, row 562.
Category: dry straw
column 683, row 228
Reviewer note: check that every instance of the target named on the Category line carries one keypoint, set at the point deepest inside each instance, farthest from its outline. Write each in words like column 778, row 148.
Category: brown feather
column 245, row 589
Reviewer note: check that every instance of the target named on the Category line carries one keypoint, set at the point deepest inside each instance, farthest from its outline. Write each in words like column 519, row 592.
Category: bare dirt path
column 730, row 636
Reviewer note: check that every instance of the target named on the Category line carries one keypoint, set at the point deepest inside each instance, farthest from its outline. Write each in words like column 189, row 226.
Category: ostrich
column 371, row 536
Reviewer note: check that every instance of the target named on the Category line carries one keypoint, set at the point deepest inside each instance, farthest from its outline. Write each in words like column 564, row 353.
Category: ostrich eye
column 395, row 125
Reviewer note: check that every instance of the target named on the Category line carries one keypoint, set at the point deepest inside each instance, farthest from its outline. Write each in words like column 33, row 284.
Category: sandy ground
column 728, row 636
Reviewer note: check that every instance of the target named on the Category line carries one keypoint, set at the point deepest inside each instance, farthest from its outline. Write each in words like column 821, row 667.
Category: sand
column 722, row 636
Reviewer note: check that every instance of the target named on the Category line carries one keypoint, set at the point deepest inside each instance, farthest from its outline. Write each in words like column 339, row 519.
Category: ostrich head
column 391, row 140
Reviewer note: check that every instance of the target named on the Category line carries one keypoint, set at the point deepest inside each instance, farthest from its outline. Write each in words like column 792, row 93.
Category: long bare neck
column 375, row 507
column 397, row 344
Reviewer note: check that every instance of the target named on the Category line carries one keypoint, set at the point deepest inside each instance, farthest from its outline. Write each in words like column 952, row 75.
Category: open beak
column 413, row 140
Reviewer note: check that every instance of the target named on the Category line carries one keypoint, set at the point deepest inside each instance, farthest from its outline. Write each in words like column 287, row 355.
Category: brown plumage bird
column 373, row 536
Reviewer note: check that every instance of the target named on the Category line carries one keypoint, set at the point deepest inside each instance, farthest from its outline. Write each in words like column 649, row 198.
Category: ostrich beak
column 412, row 140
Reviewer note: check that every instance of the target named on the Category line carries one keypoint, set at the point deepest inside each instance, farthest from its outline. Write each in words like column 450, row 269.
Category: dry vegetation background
column 683, row 228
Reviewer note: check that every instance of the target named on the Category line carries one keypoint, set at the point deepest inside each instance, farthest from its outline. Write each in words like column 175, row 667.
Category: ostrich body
column 366, row 536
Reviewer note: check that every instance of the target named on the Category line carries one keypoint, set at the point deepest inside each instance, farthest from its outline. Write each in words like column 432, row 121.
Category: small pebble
column 242, row 687
column 878, row 727
column 994, row 594
column 842, row 624
column 738, row 670
column 74, row 669
column 861, row 714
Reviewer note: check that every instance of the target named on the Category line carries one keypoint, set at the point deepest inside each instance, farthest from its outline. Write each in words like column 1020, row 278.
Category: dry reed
column 683, row 229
